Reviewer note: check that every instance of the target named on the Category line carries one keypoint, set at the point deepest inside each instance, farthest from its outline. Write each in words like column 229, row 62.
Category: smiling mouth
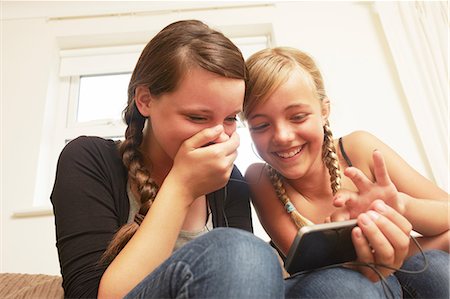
column 289, row 154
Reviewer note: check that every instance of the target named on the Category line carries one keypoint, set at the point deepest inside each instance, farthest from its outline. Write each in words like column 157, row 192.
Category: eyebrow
column 299, row 105
column 209, row 111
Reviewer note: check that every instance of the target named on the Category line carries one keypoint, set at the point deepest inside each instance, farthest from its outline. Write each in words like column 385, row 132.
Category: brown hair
column 162, row 64
column 270, row 68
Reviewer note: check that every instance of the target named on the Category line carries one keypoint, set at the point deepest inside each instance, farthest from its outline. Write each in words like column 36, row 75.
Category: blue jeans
column 223, row 263
column 346, row 283
column 339, row 282
column 431, row 283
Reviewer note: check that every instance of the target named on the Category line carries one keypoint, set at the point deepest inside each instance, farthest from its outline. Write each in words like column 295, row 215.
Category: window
column 101, row 97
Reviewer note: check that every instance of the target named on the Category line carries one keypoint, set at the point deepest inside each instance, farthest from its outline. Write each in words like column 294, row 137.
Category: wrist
column 178, row 190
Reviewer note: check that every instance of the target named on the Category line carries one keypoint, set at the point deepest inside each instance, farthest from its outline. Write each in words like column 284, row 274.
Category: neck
column 314, row 185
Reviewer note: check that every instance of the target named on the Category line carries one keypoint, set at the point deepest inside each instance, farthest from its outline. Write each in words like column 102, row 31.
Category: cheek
column 261, row 142
column 312, row 131
column 169, row 137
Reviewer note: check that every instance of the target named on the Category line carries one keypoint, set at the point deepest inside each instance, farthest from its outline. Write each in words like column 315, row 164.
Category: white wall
column 345, row 38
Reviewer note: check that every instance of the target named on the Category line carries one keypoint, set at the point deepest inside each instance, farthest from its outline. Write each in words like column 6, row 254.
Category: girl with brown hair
column 135, row 218
column 301, row 183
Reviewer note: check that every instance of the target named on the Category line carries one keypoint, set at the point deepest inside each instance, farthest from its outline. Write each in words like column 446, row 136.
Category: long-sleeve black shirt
column 90, row 204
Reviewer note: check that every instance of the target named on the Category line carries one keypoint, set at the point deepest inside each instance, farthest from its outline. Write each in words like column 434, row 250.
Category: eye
column 231, row 119
column 197, row 118
column 299, row 117
column 258, row 128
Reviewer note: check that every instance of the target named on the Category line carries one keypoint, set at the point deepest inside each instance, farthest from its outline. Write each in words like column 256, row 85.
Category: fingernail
column 380, row 207
column 218, row 128
column 357, row 232
column 365, row 219
column 373, row 215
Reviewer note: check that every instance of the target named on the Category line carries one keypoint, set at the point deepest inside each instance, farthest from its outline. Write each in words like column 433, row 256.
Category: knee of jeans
column 432, row 264
column 245, row 251
column 438, row 261
column 435, row 259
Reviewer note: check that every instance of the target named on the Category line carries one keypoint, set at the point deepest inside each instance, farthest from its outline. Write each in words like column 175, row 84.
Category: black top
column 344, row 154
column 90, row 204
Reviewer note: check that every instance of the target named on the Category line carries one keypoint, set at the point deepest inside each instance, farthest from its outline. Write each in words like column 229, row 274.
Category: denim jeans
column 232, row 263
column 346, row 283
column 431, row 283
column 339, row 282
column 223, row 263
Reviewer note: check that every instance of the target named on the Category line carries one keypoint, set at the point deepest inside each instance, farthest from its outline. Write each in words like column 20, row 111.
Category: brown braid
column 330, row 158
column 296, row 217
column 147, row 187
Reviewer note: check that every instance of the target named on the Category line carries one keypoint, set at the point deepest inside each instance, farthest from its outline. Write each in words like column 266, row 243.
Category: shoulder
column 90, row 150
column 359, row 147
column 89, row 143
column 85, row 145
column 259, row 182
column 360, row 142
column 254, row 172
column 358, row 137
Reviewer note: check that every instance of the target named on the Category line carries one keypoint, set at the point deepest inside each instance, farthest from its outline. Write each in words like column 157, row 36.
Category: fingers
column 228, row 147
column 373, row 227
column 339, row 215
column 362, row 247
column 341, row 197
column 358, row 178
column 204, row 137
column 390, row 213
column 373, row 247
column 351, row 201
column 386, row 235
column 379, row 168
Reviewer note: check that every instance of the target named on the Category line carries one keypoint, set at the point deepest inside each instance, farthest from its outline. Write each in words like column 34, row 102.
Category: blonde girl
column 302, row 181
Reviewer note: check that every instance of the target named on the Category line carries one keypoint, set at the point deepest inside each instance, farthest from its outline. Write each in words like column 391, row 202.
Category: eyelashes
column 204, row 119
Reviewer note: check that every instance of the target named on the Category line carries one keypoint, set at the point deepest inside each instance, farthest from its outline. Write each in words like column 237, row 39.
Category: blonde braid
column 296, row 217
column 330, row 158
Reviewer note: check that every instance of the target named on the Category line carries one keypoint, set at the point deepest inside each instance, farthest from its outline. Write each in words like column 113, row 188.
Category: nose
column 229, row 130
column 283, row 134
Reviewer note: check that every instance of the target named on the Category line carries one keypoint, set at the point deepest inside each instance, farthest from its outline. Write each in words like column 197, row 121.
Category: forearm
column 152, row 243
column 429, row 217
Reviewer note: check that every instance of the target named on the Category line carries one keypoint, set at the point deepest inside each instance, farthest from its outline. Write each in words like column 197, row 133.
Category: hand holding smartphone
column 321, row 245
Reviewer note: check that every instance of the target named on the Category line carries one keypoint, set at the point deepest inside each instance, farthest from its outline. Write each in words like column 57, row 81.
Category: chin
column 290, row 174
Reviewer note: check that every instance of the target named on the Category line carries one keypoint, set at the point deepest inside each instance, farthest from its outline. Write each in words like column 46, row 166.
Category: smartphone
column 321, row 245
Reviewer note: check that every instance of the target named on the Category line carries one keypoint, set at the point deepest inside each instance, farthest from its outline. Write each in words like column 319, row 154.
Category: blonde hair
column 268, row 69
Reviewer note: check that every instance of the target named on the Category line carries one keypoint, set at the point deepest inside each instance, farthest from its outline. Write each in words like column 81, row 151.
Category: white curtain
column 417, row 34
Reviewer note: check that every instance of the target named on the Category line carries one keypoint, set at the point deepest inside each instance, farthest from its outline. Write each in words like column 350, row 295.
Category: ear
column 143, row 99
column 325, row 109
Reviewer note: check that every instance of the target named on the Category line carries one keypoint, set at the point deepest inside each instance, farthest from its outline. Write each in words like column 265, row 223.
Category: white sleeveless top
column 184, row 236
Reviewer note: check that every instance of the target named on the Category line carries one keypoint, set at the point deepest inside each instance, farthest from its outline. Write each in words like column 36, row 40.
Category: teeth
column 290, row 154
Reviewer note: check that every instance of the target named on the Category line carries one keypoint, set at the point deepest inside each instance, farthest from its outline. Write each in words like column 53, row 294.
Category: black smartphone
column 321, row 245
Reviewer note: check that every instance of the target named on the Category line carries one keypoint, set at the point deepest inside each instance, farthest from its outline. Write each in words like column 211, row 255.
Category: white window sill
column 41, row 211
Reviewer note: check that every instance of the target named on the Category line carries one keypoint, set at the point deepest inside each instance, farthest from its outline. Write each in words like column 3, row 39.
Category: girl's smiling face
column 287, row 127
